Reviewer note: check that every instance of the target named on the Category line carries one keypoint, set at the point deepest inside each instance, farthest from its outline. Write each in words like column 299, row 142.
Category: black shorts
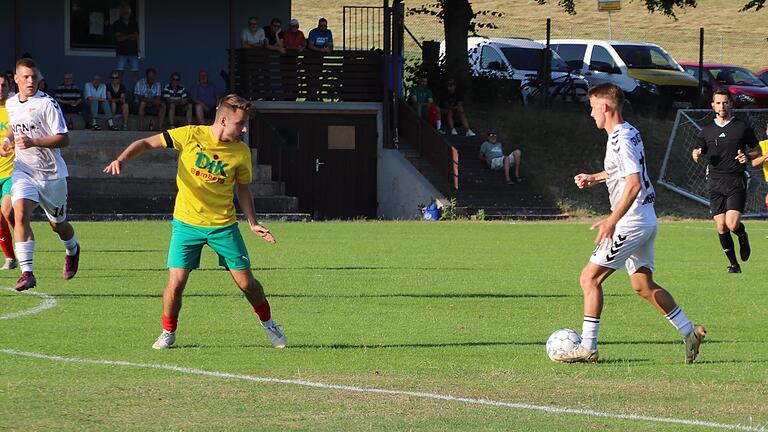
column 727, row 193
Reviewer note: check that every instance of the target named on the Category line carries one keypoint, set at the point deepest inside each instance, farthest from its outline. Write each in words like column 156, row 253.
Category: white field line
column 50, row 301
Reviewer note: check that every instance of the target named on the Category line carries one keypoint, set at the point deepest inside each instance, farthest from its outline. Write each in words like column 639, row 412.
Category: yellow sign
column 608, row 5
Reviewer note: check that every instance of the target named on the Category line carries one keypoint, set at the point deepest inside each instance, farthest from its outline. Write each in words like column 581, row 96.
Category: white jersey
column 38, row 117
column 625, row 155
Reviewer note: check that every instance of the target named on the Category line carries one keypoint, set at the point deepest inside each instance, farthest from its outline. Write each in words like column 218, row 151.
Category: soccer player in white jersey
column 625, row 238
column 38, row 130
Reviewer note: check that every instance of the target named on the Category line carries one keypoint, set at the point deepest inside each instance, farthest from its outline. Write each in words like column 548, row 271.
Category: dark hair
column 321, row 20
column 721, row 93
column 275, row 20
column 175, row 74
column 153, row 70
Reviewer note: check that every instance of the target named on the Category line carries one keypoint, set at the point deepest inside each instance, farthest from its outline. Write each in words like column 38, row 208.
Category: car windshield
column 528, row 59
column 736, row 76
column 645, row 57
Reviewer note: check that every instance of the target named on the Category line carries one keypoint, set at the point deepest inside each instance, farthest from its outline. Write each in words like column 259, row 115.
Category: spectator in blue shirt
column 205, row 96
column 320, row 38
column 149, row 93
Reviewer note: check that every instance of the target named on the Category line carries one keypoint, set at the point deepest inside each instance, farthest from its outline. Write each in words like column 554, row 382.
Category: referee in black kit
column 726, row 143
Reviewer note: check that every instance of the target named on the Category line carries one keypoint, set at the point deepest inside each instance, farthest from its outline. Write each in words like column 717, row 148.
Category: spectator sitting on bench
column 69, row 97
column 148, row 93
column 116, row 95
column 421, row 99
column 253, row 35
column 293, row 39
column 492, row 153
column 320, row 38
column 95, row 93
column 174, row 94
column 452, row 106
column 205, row 96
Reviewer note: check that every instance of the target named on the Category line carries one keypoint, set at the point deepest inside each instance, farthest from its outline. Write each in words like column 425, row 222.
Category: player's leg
column 53, row 201
column 187, row 242
column 233, row 255
column 6, row 221
column 24, row 199
column 718, row 208
column 737, row 199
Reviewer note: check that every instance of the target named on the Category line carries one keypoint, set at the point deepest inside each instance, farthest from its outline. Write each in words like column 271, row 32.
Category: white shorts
column 631, row 247
column 497, row 163
column 51, row 195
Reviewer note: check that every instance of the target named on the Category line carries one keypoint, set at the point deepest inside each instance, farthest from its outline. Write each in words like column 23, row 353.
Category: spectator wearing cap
column 452, row 106
column 492, row 153
column 320, row 38
column 274, row 36
column 175, row 95
column 293, row 39
column 252, row 36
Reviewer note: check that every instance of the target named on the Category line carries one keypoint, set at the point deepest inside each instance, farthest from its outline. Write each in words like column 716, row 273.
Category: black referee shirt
column 721, row 143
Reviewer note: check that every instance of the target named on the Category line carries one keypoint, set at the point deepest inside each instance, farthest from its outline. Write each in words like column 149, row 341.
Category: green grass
column 449, row 308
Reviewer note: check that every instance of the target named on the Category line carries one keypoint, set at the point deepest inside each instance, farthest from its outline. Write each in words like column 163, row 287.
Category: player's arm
column 6, row 147
column 54, row 141
column 757, row 156
column 134, row 149
column 588, row 180
column 607, row 226
column 245, row 198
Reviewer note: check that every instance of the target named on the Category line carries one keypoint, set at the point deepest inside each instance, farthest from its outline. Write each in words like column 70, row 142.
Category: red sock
column 263, row 311
column 6, row 241
column 169, row 323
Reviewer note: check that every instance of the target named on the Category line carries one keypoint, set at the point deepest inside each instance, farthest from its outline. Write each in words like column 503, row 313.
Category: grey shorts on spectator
column 497, row 163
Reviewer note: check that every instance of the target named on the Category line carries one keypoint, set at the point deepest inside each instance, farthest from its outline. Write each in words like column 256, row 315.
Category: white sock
column 268, row 323
column 680, row 321
column 589, row 332
column 24, row 252
column 70, row 245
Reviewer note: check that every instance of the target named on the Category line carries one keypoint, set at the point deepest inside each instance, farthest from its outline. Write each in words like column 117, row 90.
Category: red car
column 747, row 90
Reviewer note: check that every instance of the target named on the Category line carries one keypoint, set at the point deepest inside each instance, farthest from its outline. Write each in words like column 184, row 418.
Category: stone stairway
column 147, row 184
column 486, row 190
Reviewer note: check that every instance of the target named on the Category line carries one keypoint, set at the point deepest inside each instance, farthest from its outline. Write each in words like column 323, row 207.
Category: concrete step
column 124, row 187
column 163, row 204
column 137, row 168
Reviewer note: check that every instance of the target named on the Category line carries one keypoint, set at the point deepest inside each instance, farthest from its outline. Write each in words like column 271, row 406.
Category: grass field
column 459, row 309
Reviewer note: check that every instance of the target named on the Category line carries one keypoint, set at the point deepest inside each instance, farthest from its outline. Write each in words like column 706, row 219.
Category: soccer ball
column 561, row 341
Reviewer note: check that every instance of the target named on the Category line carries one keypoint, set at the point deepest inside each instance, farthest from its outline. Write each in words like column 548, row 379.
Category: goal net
column 680, row 174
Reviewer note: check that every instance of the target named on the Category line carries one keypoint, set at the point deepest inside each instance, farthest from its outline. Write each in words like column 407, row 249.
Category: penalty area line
column 356, row 389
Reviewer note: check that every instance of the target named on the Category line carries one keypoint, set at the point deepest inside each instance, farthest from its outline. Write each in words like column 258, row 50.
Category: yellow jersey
column 207, row 174
column 764, row 148
column 6, row 162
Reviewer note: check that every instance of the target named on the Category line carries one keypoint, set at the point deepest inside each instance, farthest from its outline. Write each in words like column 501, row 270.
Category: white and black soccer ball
column 562, row 341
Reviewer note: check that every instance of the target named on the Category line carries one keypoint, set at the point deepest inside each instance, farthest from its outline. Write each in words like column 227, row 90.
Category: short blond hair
column 231, row 103
column 610, row 92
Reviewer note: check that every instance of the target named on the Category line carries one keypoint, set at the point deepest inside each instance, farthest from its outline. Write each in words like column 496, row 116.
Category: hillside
column 730, row 36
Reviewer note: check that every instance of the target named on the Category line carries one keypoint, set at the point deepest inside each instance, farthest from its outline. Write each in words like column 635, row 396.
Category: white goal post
column 680, row 174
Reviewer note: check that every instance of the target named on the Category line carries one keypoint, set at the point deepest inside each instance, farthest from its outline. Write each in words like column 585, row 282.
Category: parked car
column 763, row 74
column 519, row 60
column 746, row 89
column 649, row 76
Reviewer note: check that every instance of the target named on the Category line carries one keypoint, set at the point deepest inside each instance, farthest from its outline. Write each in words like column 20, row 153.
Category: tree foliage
column 665, row 7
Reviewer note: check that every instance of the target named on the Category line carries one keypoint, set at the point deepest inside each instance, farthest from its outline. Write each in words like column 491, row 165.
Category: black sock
column 741, row 231
column 726, row 241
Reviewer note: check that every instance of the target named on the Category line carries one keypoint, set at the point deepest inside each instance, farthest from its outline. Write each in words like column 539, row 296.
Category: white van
column 648, row 75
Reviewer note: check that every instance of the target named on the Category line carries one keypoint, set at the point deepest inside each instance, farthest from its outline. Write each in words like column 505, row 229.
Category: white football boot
column 165, row 340
column 275, row 333
column 693, row 342
column 577, row 355
column 10, row 264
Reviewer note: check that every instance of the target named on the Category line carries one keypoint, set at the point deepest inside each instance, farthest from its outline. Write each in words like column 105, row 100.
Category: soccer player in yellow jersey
column 213, row 161
column 6, row 168
column 761, row 158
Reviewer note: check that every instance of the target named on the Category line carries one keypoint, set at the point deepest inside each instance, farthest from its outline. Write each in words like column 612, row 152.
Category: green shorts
column 187, row 242
column 5, row 186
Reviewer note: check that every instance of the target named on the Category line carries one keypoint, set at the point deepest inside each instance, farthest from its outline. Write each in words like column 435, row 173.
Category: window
column 490, row 59
column 88, row 25
column 572, row 54
column 601, row 60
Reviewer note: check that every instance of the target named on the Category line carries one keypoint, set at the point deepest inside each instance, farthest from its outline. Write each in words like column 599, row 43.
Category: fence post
column 547, row 75
column 701, row 66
